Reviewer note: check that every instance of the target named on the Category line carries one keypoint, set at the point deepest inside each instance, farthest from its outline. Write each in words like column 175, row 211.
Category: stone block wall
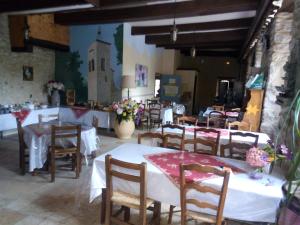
column 12, row 87
column 280, row 39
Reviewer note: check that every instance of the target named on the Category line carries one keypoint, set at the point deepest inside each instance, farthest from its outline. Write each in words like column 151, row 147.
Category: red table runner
column 79, row 111
column 208, row 135
column 22, row 115
column 169, row 164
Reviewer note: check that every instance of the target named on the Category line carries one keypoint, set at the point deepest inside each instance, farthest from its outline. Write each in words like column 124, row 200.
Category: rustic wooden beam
column 157, row 11
column 225, row 24
column 17, row 5
column 233, row 54
column 193, row 38
column 209, row 45
column 116, row 3
column 262, row 12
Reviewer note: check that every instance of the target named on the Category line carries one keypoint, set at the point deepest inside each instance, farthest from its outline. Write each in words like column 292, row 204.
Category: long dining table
column 247, row 199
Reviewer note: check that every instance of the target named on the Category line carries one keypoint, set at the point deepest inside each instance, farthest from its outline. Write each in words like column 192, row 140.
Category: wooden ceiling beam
column 155, row 12
column 209, row 37
column 229, row 44
column 233, row 54
column 225, row 24
column 22, row 5
column 264, row 8
column 115, row 3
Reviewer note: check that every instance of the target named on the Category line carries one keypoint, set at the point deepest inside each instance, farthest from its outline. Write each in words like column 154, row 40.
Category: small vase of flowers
column 53, row 88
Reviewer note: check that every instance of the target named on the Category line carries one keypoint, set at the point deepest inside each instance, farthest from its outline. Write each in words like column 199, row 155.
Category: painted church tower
column 100, row 76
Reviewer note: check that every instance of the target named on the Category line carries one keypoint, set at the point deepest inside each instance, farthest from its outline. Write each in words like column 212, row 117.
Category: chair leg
column 126, row 214
column 103, row 205
column 52, row 159
column 78, row 165
column 108, row 210
column 172, row 207
column 157, row 212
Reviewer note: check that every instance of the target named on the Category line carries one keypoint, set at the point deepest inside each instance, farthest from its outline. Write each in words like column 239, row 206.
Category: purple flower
column 271, row 143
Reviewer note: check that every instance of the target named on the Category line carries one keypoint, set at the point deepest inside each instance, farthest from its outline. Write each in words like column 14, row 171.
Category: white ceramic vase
column 55, row 98
column 125, row 129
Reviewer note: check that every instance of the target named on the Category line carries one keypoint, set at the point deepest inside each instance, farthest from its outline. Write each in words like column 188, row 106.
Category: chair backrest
column 216, row 119
column 172, row 140
column 131, row 177
column 154, row 110
column 218, row 107
column 208, row 144
column 70, row 97
column 186, row 185
column 20, row 135
column 95, row 122
column 241, row 125
column 151, row 101
column 46, row 118
column 188, row 120
column 238, row 149
column 152, row 136
column 66, row 132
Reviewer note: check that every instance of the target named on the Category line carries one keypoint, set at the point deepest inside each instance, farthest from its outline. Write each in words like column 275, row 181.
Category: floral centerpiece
column 54, row 85
column 53, row 88
column 126, row 113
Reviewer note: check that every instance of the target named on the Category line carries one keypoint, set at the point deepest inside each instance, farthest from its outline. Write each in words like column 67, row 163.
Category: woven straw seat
column 129, row 200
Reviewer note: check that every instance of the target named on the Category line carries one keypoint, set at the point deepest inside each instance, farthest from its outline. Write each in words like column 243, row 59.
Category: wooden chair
column 139, row 202
column 170, row 138
column 219, row 108
column 190, row 120
column 151, row 101
column 229, row 117
column 240, row 125
column 150, row 135
column 144, row 119
column 63, row 133
column 22, row 148
column 46, row 118
column 211, row 143
column 186, row 185
column 70, row 97
column 154, row 114
column 216, row 119
column 237, row 150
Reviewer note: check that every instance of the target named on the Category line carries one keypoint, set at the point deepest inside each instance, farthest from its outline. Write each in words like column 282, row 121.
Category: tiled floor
column 33, row 200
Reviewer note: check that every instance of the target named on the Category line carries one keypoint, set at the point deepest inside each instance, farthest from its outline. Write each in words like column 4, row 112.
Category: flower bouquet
column 126, row 110
column 54, row 85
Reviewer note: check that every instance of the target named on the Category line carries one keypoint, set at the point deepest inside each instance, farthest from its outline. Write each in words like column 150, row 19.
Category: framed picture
column 28, row 73
column 141, row 75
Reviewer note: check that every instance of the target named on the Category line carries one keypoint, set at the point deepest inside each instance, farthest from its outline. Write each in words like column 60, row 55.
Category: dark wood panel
column 233, row 54
column 158, row 11
column 20, row 5
column 235, row 35
column 225, row 24
column 112, row 3
column 209, row 45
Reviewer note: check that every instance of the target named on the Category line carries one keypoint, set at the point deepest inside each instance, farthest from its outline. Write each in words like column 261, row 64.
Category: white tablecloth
column 247, row 199
column 38, row 144
column 166, row 114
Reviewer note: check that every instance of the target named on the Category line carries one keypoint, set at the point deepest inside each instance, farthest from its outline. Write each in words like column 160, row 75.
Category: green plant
column 292, row 131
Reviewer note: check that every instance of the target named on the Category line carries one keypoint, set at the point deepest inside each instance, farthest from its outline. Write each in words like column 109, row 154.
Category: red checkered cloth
column 22, row 115
column 169, row 164
column 79, row 111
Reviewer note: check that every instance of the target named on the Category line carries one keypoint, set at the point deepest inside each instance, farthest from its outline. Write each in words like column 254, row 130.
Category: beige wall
column 209, row 68
column 135, row 51
column 12, row 87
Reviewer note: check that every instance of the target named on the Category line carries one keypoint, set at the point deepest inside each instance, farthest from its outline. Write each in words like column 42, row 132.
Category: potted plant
column 126, row 112
column 290, row 207
column 53, row 88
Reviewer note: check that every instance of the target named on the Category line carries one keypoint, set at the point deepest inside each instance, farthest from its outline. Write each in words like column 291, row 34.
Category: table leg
column 103, row 205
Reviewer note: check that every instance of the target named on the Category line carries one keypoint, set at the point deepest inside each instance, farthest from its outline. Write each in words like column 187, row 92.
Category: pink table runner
column 79, row 111
column 22, row 115
column 169, row 164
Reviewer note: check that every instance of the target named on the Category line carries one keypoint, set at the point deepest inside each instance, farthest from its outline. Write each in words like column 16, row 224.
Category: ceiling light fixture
column 174, row 30
column 193, row 52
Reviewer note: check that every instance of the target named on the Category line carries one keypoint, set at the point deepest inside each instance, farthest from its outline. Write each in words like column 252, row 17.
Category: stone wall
column 12, row 87
column 280, row 38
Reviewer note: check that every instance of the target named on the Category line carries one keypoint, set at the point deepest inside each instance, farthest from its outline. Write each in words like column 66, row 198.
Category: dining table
column 37, row 137
column 247, row 199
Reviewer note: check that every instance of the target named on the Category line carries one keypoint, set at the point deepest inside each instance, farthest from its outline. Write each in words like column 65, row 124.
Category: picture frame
column 141, row 75
column 27, row 73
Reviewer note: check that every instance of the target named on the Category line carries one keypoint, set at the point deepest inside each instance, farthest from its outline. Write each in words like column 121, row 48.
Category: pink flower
column 256, row 157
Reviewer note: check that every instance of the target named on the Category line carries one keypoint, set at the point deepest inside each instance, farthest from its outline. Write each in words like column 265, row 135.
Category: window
column 102, row 64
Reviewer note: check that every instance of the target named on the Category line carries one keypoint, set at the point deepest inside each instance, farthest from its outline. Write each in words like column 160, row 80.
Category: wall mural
column 94, row 66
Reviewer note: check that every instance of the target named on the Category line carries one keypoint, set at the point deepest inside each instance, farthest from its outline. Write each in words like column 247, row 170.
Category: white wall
column 158, row 60
column 12, row 87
